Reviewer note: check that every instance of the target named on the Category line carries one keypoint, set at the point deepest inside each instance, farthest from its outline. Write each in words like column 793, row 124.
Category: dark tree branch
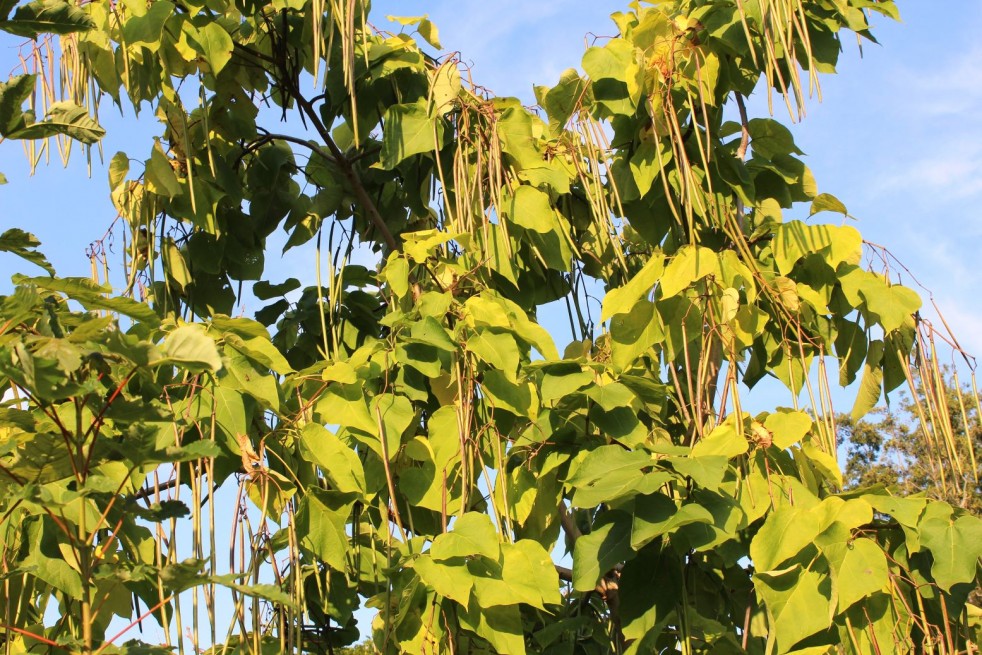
column 568, row 523
column 289, row 83
column 744, row 128
column 348, row 170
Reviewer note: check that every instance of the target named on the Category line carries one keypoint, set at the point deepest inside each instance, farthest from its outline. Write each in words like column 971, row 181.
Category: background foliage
column 401, row 432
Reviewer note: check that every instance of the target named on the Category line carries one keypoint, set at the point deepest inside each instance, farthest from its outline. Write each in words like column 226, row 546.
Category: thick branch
column 337, row 155
column 270, row 136
column 568, row 523
column 348, row 170
column 744, row 128
column 741, row 154
column 146, row 492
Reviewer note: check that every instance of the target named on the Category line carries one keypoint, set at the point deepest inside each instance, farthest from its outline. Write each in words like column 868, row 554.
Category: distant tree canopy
column 930, row 443
column 396, row 428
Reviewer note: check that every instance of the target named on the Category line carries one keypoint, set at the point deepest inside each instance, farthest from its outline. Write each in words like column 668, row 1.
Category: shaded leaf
column 47, row 16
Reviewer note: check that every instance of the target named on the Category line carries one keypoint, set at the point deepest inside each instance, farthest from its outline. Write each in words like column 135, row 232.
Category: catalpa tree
column 399, row 431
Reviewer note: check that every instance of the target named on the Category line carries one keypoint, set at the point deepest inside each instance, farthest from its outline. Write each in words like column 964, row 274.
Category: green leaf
column 785, row 533
column 611, row 472
column 795, row 240
column 614, row 74
column 445, row 87
column 562, row 100
column 691, row 263
column 497, row 350
column 159, row 175
column 451, row 581
column 13, row 94
column 268, row 592
column 723, row 440
column 422, row 244
column 494, row 310
column 346, row 406
column 532, row 210
column 787, row 427
column 611, row 395
column 596, row 553
column 64, row 118
column 705, row 470
column 825, row 202
column 263, row 290
column 203, row 449
column 559, row 383
column 189, row 346
column 891, row 305
column 511, row 581
column 174, row 265
column 24, row 245
column 472, row 534
column 500, row 626
column 147, row 29
column 634, row 333
column 905, row 511
column 261, row 351
column 894, row 305
column 657, row 514
column 797, row 602
column 871, row 384
column 339, row 462
column 502, row 394
column 215, row 46
column 47, row 16
column 119, row 166
column 859, row 568
column 768, row 139
column 611, row 61
column 409, row 130
column 321, row 520
column 647, row 164
column 650, row 587
column 430, row 34
column 426, row 29
column 396, row 414
column 230, row 411
column 621, row 300
column 45, row 561
column 90, row 295
column 514, row 128
column 526, row 566
column 955, row 543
